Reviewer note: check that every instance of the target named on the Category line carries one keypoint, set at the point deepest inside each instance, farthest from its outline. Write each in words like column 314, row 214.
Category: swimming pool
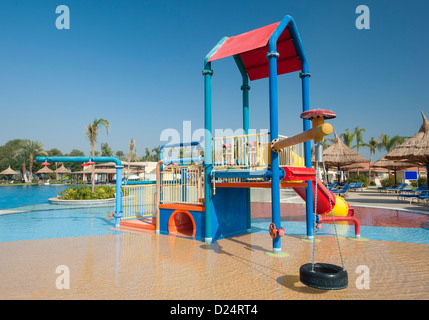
column 26, row 195
column 26, row 214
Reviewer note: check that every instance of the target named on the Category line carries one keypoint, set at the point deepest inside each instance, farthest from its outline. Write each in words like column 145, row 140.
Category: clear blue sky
column 138, row 64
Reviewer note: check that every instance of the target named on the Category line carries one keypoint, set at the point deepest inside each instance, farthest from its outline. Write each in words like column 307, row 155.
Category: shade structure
column 44, row 170
column 8, row 172
column 62, row 170
column 252, row 48
column 353, row 166
column 392, row 164
column 338, row 155
column 416, row 149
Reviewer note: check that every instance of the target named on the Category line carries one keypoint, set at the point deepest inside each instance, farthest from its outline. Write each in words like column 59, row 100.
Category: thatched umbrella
column 44, row 171
column 416, row 149
column 9, row 172
column 61, row 170
column 392, row 164
column 338, row 155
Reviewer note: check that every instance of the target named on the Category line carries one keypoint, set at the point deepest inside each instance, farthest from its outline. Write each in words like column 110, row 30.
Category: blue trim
column 215, row 48
column 181, row 144
column 168, row 161
column 79, row 159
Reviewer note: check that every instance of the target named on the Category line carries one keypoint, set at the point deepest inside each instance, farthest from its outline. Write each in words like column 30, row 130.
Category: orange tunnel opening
column 181, row 223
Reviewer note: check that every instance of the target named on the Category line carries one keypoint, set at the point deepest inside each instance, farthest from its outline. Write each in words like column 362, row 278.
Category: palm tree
column 372, row 145
column 132, row 144
column 348, row 137
column 92, row 131
column 358, row 137
column 30, row 150
column 387, row 143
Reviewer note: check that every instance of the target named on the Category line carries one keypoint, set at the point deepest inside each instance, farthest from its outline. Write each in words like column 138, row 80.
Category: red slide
column 323, row 205
column 339, row 205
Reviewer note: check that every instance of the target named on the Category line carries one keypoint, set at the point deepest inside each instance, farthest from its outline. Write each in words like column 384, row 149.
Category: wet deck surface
column 143, row 265
column 149, row 266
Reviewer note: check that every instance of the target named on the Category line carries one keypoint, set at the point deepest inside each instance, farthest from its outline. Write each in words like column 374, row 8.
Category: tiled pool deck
column 134, row 265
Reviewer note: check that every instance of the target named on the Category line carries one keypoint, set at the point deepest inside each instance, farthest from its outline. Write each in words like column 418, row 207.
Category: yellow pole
column 316, row 134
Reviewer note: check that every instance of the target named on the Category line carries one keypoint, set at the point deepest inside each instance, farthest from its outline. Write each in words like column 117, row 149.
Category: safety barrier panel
column 140, row 201
column 182, row 184
column 253, row 151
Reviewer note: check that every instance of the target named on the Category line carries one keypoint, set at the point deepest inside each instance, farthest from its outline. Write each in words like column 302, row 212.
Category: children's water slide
column 325, row 200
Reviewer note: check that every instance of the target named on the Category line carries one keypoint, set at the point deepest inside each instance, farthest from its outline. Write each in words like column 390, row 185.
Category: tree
column 157, row 153
column 9, row 154
column 348, row 137
column 388, row 144
column 358, row 137
column 153, row 156
column 120, row 154
column 132, row 144
column 92, row 131
column 30, row 150
column 74, row 166
column 106, row 151
column 372, row 145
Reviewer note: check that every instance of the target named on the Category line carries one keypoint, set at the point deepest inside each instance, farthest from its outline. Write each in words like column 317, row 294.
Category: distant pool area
column 26, row 214
column 22, row 195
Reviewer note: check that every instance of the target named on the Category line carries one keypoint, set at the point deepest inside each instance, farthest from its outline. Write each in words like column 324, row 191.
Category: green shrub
column 389, row 182
column 83, row 192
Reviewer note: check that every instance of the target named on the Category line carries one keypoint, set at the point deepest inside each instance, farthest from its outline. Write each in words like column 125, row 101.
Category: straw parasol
column 44, row 170
column 62, row 170
column 339, row 155
column 8, row 172
column 391, row 164
column 416, row 149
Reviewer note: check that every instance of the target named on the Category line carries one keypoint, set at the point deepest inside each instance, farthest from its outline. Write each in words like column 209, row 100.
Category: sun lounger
column 332, row 185
column 343, row 191
column 357, row 186
column 381, row 189
column 401, row 187
column 416, row 196
column 424, row 197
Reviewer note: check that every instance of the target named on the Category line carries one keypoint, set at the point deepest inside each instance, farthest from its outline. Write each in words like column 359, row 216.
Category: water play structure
column 208, row 197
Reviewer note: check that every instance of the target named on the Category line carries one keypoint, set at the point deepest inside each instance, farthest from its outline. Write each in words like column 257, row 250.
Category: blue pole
column 307, row 152
column 245, row 88
column 207, row 73
column 274, row 134
column 118, row 212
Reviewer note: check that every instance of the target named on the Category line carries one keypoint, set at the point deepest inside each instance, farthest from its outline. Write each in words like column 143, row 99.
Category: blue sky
column 138, row 64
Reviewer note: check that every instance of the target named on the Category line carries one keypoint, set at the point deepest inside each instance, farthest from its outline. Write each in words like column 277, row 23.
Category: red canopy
column 252, row 47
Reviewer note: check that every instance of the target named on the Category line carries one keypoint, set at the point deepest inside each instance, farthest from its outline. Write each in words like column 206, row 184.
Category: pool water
column 26, row 214
column 22, row 195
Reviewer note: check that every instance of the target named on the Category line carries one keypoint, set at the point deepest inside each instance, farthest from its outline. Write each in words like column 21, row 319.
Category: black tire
column 325, row 276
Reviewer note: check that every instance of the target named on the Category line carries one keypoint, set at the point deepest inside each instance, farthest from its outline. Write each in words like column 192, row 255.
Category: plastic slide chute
column 339, row 206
